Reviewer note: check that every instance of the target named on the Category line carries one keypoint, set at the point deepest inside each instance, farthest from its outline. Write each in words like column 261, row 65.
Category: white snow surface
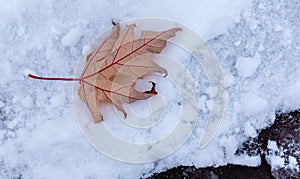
column 72, row 37
column 272, row 145
column 247, row 66
column 256, row 42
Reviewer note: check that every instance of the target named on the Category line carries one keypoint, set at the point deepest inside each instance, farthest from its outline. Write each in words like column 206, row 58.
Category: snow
column 27, row 102
column 276, row 161
column 230, row 143
column 293, row 163
column 246, row 66
column 252, row 161
column 249, row 130
column 272, row 145
column 275, row 157
column 199, row 15
column 2, row 104
column 237, row 43
column 57, row 100
column 256, row 43
column 72, row 37
column 291, row 94
column 252, row 104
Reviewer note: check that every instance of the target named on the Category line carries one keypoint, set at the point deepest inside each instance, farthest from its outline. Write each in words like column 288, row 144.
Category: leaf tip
column 97, row 118
column 114, row 23
column 152, row 90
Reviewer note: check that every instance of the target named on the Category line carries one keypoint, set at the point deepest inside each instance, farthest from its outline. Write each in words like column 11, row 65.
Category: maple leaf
column 112, row 69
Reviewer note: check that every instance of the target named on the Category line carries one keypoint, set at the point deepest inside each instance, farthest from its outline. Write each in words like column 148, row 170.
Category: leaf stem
column 53, row 79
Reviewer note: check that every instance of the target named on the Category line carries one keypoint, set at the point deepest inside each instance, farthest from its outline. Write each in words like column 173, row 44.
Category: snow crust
column 247, row 66
column 72, row 37
column 272, row 145
column 256, row 42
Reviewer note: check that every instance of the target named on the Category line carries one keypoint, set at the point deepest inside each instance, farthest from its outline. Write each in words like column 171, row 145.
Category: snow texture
column 272, row 145
column 274, row 158
column 72, row 37
column 247, row 66
column 256, row 42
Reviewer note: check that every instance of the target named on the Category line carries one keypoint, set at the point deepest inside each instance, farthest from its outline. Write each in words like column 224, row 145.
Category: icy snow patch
column 199, row 15
column 2, row 104
column 293, row 162
column 275, row 161
column 250, row 160
column 247, row 66
column 272, row 145
column 251, row 104
column 230, row 143
column 58, row 100
column 5, row 69
column 237, row 43
column 249, row 129
column 274, row 158
column 291, row 95
column 72, row 37
column 27, row 101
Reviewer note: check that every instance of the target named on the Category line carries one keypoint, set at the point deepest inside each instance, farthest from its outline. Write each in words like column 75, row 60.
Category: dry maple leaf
column 111, row 70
